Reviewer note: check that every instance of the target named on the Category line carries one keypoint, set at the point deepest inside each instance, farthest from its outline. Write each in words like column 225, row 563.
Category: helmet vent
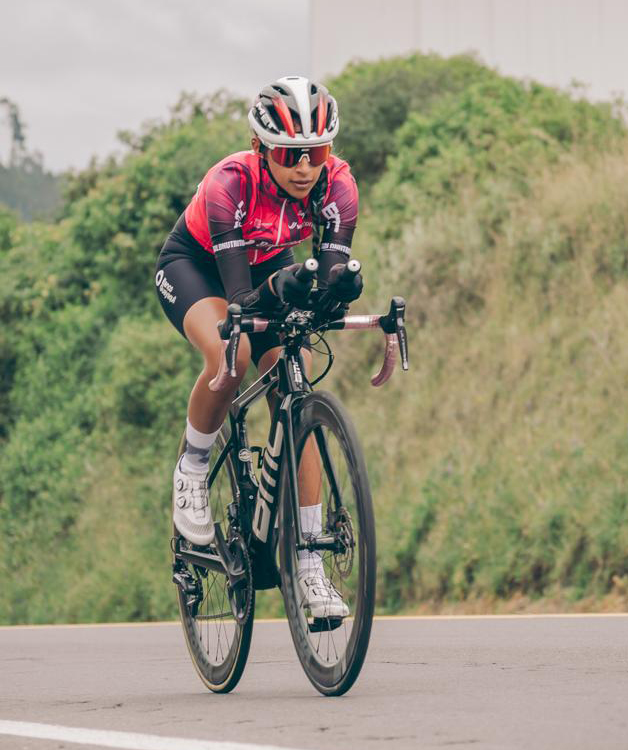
column 294, row 111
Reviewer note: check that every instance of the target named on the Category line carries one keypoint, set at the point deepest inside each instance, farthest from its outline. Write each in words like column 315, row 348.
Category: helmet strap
column 317, row 198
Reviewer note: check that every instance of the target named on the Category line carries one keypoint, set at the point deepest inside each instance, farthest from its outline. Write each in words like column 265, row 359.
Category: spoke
column 328, row 464
column 222, row 624
column 336, row 492
column 215, row 631
column 320, row 638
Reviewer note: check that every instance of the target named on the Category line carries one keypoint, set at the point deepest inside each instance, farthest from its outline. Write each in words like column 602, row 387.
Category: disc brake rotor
column 343, row 530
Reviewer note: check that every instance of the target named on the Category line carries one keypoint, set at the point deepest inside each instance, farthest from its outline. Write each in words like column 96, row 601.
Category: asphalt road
column 520, row 682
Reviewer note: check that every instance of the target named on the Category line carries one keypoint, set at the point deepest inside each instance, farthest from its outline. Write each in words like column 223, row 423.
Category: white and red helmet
column 294, row 111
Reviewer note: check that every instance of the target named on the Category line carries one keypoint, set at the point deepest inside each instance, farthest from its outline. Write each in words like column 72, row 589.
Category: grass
column 500, row 462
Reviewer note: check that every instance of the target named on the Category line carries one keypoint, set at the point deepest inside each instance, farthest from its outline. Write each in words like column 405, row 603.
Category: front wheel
column 332, row 481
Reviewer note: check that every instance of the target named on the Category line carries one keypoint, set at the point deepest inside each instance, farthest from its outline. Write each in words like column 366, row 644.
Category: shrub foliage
column 498, row 463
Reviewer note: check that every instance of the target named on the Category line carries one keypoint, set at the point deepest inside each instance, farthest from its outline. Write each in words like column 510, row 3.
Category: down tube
column 291, row 457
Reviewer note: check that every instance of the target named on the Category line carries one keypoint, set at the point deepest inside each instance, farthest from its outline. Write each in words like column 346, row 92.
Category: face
column 297, row 181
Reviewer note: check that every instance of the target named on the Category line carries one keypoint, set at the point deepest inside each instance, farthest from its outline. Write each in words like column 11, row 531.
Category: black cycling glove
column 288, row 288
column 263, row 299
column 344, row 290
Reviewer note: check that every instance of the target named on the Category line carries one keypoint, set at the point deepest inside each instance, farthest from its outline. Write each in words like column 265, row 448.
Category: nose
column 304, row 164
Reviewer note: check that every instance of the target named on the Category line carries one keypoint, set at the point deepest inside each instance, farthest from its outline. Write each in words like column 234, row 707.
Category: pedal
column 324, row 624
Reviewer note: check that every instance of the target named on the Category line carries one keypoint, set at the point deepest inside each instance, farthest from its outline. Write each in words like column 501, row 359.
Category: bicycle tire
column 219, row 675
column 318, row 414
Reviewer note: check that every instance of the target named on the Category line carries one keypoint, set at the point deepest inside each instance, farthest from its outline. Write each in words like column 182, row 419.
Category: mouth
column 301, row 184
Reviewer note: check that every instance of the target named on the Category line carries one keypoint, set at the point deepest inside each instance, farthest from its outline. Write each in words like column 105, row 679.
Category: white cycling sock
column 311, row 525
column 198, row 446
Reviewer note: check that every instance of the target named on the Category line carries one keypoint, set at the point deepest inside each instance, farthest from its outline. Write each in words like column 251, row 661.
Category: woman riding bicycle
column 234, row 243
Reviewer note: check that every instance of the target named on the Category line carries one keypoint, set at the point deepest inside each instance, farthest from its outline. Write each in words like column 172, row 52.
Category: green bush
column 498, row 132
column 497, row 463
column 375, row 99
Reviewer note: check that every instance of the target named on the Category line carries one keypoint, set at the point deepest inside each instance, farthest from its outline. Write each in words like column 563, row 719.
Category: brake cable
column 330, row 358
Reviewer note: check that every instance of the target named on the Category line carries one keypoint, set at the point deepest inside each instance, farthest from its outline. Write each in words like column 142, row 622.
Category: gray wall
column 553, row 41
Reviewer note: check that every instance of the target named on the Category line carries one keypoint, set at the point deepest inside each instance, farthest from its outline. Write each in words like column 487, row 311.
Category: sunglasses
column 289, row 156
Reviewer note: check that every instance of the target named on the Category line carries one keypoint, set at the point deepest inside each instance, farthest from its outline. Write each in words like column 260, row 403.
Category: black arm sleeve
column 235, row 274
column 340, row 214
column 234, row 269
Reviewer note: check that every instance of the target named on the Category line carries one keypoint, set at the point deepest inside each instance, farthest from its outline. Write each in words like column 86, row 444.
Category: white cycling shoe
column 192, row 514
column 320, row 595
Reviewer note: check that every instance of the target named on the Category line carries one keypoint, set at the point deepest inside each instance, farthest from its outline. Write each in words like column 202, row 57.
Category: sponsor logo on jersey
column 300, row 223
column 333, row 246
column 229, row 245
column 239, row 215
column 165, row 287
column 332, row 214
column 259, row 224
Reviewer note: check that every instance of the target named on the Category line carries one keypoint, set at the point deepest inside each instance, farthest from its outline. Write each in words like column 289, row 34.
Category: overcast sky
column 80, row 70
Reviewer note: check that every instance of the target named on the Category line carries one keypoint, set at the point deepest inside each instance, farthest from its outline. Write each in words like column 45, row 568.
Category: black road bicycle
column 312, row 448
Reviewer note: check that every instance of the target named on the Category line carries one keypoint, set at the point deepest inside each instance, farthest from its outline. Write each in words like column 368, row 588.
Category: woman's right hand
column 289, row 288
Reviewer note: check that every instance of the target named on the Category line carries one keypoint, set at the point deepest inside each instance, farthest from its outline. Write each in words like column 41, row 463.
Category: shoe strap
column 322, row 582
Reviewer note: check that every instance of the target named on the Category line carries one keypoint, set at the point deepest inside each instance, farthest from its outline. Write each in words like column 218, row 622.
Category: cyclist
column 233, row 243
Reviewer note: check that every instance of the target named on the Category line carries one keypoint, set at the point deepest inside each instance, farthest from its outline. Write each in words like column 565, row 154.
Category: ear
column 255, row 144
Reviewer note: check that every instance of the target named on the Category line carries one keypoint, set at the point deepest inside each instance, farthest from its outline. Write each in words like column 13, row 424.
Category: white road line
column 123, row 740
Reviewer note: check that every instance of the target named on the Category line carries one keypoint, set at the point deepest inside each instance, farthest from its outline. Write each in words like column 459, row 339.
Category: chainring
column 241, row 597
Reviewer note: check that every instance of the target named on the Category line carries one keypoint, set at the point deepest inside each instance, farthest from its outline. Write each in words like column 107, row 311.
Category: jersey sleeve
column 227, row 198
column 340, row 216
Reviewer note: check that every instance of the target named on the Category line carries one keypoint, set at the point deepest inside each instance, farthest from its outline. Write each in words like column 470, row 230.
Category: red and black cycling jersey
column 242, row 217
column 238, row 204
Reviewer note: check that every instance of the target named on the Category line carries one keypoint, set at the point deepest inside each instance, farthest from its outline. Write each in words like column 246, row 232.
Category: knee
column 213, row 353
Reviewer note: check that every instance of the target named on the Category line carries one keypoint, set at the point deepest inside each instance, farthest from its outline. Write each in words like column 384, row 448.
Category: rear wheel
column 331, row 649
column 217, row 621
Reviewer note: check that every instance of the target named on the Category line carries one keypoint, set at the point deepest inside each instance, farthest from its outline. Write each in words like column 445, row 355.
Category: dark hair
column 317, row 197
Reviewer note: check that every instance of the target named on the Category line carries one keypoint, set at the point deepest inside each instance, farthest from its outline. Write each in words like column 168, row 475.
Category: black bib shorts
column 186, row 272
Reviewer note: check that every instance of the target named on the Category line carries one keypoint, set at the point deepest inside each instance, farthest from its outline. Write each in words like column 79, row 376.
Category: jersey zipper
column 283, row 206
